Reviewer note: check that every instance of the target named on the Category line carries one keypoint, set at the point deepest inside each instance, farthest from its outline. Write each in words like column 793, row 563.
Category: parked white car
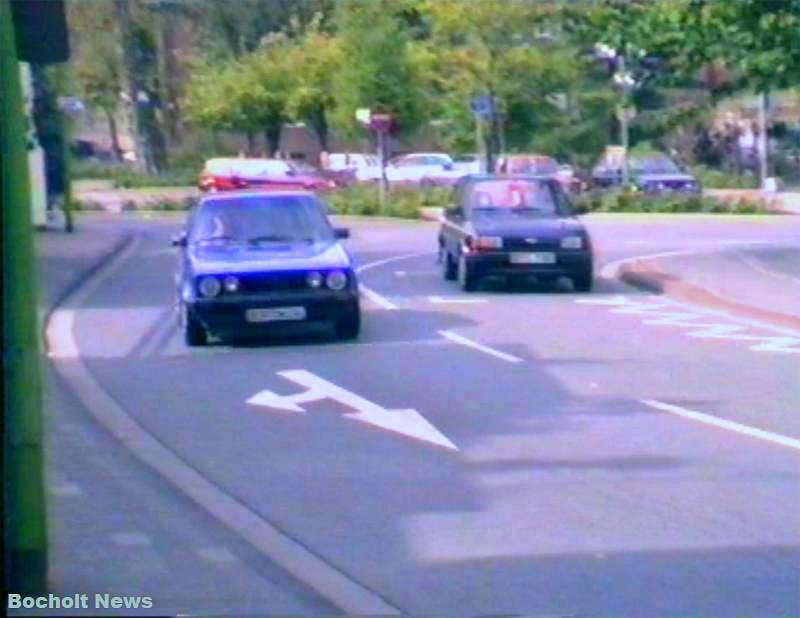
column 412, row 168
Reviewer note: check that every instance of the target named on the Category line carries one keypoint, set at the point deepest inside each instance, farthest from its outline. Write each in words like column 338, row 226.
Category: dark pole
column 25, row 516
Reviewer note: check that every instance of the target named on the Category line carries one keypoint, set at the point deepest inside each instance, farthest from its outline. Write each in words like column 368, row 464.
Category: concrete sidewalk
column 115, row 526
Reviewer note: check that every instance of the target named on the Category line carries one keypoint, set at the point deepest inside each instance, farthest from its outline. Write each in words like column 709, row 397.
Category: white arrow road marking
column 407, row 422
column 455, row 299
column 694, row 415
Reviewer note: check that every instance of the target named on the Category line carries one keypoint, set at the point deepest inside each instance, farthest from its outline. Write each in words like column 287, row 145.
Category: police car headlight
column 572, row 242
column 336, row 280
column 231, row 284
column 209, row 287
column 314, row 280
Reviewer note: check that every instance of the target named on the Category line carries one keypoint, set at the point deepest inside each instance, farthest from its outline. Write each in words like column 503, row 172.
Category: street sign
column 363, row 115
column 482, row 105
column 626, row 113
column 407, row 422
column 381, row 123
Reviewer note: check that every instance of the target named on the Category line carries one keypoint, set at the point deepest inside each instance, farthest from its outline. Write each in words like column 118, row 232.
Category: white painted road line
column 701, row 417
column 469, row 343
column 756, row 265
column 396, row 258
column 66, row 490
column 131, row 539
column 376, row 298
column 438, row 300
column 611, row 270
column 660, row 314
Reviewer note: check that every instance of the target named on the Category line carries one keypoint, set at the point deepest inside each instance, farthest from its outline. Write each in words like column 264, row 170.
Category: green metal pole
column 23, row 485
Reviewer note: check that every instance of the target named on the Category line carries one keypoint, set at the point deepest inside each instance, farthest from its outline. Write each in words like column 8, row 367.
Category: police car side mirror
column 179, row 240
column 341, row 233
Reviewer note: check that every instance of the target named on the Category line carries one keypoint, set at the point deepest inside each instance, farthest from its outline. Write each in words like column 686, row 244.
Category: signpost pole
column 382, row 161
column 25, row 518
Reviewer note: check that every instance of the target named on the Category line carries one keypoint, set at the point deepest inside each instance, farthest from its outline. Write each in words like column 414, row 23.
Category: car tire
column 349, row 326
column 583, row 283
column 466, row 277
column 194, row 335
column 449, row 268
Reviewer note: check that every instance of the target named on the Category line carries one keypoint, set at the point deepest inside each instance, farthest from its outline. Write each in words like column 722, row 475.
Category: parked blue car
column 252, row 261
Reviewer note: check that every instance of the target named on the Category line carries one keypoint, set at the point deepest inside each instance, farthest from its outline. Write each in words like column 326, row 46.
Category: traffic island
column 646, row 274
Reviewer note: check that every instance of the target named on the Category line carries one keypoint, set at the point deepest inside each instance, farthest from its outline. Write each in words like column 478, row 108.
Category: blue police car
column 251, row 261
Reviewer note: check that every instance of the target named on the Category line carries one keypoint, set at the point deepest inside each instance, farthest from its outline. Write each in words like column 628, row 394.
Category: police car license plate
column 275, row 314
column 537, row 257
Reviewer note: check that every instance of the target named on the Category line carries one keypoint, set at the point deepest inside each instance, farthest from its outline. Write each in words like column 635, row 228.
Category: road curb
column 301, row 562
column 646, row 275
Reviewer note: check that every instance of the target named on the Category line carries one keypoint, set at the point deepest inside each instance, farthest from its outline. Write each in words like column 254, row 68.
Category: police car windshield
column 522, row 197
column 260, row 219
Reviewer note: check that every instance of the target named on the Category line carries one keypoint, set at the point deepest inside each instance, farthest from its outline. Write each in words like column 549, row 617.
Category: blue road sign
column 482, row 106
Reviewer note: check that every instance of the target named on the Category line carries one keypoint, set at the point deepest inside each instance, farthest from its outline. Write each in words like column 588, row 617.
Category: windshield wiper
column 216, row 238
column 277, row 238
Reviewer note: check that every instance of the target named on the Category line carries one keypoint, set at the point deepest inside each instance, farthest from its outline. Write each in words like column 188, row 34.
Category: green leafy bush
column 132, row 179
column 125, row 177
column 641, row 203
column 401, row 202
column 710, row 178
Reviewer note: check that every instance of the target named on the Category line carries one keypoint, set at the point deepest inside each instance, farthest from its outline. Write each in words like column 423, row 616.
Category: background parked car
column 412, row 168
column 344, row 167
column 540, row 165
column 243, row 173
column 650, row 174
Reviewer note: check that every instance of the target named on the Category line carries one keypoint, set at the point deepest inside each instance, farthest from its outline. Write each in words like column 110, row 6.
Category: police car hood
column 244, row 258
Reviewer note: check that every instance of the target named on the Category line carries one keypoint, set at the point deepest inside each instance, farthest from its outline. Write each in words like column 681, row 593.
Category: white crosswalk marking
column 664, row 314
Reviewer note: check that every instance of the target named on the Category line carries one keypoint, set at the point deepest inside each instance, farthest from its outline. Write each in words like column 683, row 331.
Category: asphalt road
column 571, row 454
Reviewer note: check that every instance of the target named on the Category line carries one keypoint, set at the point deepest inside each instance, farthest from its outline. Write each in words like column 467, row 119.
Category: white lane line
column 469, row 343
column 660, row 314
column 131, row 539
column 611, row 270
column 376, row 298
column 155, row 338
column 755, row 265
column 66, row 490
column 216, row 555
column 701, row 417
column 396, row 258
column 438, row 300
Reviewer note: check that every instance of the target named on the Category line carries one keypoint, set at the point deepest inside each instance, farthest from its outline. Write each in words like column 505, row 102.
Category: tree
column 376, row 70
column 247, row 95
column 312, row 95
column 502, row 49
column 235, row 28
column 97, row 62
column 140, row 60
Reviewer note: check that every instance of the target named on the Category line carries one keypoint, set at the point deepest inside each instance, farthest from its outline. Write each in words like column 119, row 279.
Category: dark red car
column 235, row 174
